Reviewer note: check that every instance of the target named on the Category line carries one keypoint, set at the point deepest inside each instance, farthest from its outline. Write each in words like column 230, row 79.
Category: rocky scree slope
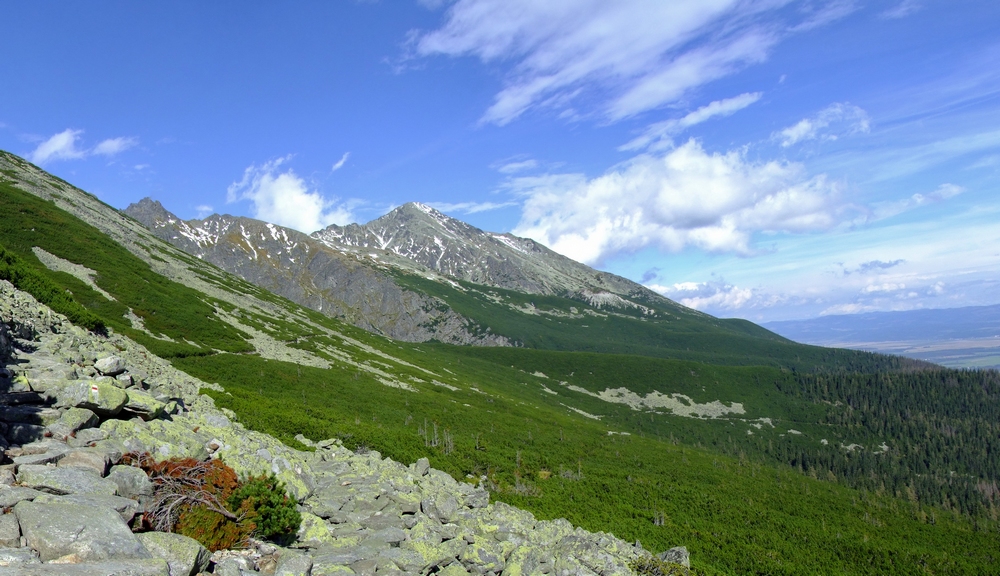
column 72, row 403
column 311, row 273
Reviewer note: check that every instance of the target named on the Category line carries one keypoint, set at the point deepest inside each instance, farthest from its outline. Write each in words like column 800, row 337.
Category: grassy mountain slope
column 552, row 430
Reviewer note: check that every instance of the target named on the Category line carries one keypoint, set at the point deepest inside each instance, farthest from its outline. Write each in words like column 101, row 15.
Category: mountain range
column 560, row 389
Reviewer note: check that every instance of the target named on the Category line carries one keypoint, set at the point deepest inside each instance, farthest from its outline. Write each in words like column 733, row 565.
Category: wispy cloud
column 661, row 131
column 829, row 124
column 901, row 10
column 943, row 192
column 618, row 58
column 878, row 265
column 65, row 146
column 113, row 146
column 340, row 163
column 686, row 197
column 61, row 146
column 469, row 207
column 516, row 166
column 204, row 210
column 284, row 198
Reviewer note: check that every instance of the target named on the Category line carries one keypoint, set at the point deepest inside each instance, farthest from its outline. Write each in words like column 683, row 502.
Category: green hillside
column 755, row 478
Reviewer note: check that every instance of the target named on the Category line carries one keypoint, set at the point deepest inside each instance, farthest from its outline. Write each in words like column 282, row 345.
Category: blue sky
column 772, row 159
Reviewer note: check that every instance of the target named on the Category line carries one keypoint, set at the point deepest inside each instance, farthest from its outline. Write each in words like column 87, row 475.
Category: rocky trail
column 72, row 403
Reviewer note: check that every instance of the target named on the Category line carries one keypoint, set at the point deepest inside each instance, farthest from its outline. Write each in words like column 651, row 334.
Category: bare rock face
column 311, row 273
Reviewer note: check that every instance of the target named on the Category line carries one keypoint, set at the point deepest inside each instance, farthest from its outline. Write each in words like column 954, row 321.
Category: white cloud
column 285, row 199
column 517, row 166
column 204, row 210
column 943, row 192
column 632, row 55
column 831, row 122
column 340, row 163
column 706, row 295
column 661, row 131
column 61, row 146
column 884, row 287
column 686, row 197
column 113, row 146
column 470, row 207
column 901, row 10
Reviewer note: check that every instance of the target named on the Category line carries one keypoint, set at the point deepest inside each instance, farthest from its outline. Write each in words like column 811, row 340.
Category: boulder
column 678, row 555
column 10, row 531
column 86, row 436
column 19, row 433
column 103, row 398
column 84, row 533
column 10, row 496
column 131, row 481
column 185, row 556
column 89, row 458
column 17, row 557
column 64, row 480
column 124, row 507
column 73, row 420
column 110, row 366
column 143, row 405
column 292, row 563
column 151, row 567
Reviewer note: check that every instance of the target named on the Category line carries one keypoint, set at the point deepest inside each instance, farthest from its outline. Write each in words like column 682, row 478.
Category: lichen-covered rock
column 292, row 563
column 101, row 397
column 131, row 481
column 73, row 420
column 143, row 405
column 110, row 366
column 83, row 533
column 185, row 556
column 10, row 531
column 64, row 480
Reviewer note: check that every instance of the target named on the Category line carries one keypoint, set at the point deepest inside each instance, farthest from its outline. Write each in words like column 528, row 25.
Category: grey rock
column 64, row 480
column 101, row 397
column 143, row 405
column 149, row 567
column 86, row 436
column 10, row 531
column 677, row 555
column 185, row 556
column 124, row 507
column 15, row 556
column 73, row 420
column 131, row 482
column 9, row 496
column 90, row 533
column 19, row 433
column 292, row 563
column 41, row 416
column 110, row 366
column 50, row 457
column 421, row 466
column 89, row 458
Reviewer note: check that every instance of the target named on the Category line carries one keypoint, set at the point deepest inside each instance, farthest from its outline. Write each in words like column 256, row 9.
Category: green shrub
column 273, row 511
column 23, row 277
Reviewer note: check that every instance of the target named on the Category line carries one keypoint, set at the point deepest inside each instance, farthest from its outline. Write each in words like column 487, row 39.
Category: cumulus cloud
column 64, row 146
column 685, row 197
column 832, row 122
column 706, row 295
column 661, row 131
column 61, row 146
column 284, row 198
column 629, row 56
column 113, row 146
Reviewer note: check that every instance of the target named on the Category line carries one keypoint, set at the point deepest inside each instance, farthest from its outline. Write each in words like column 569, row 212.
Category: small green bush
column 274, row 512
column 649, row 566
